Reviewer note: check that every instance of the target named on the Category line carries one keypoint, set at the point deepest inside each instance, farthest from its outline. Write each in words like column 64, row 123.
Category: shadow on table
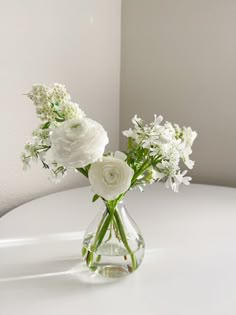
column 59, row 278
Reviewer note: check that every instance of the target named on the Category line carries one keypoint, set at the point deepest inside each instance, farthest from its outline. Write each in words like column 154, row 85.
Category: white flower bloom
column 137, row 121
column 53, row 103
column 78, row 142
column 166, row 137
column 129, row 133
column 168, row 144
column 177, row 180
column 59, row 94
column 155, row 151
column 157, row 120
column 179, row 177
column 110, row 177
column 189, row 163
column 46, row 95
column 150, row 136
column 188, row 136
column 40, row 94
column 185, row 151
column 71, row 110
column 158, row 176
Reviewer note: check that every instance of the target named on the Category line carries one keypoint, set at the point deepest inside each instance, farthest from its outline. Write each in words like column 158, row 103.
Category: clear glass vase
column 113, row 245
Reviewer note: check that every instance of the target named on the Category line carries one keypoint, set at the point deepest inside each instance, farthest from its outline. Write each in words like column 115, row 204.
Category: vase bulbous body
column 113, row 245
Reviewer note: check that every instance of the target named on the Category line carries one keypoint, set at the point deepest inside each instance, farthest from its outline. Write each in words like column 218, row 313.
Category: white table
column 189, row 267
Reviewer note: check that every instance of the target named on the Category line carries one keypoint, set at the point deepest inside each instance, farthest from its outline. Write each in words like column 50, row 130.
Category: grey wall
column 178, row 59
column 75, row 42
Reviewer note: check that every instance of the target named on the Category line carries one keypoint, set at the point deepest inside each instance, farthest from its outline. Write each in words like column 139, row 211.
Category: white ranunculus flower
column 78, row 142
column 110, row 177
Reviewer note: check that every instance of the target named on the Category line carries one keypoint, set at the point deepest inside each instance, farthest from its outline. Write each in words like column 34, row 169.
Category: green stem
column 116, row 230
column 89, row 254
column 110, row 217
column 102, row 221
column 110, row 233
column 102, row 228
column 143, row 167
column 99, row 238
column 83, row 171
column 124, row 240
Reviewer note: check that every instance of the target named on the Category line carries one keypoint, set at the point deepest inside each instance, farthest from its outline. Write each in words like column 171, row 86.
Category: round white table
column 189, row 266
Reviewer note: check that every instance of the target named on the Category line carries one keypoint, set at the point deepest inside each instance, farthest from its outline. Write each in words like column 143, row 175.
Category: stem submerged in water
column 110, row 219
column 124, row 240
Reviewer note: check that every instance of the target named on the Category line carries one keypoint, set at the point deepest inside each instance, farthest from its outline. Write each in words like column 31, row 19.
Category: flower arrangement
column 66, row 139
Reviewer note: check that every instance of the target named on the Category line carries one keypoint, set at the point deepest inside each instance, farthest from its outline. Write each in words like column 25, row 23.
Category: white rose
column 110, row 177
column 78, row 142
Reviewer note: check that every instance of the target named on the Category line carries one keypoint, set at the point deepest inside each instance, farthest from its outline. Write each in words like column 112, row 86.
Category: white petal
column 120, row 155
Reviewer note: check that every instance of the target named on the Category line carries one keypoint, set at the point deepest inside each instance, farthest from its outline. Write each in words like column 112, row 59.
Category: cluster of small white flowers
column 42, row 136
column 168, row 145
column 63, row 124
column 71, row 110
column 40, row 94
column 25, row 161
column 66, row 139
column 53, row 106
column 53, row 103
column 33, row 152
column 36, row 151
column 59, row 95
column 46, row 112
column 57, row 172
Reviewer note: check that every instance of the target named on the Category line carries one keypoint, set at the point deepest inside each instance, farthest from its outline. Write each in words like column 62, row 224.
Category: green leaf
column 46, row 125
column 95, row 197
column 60, row 119
column 83, row 171
column 59, row 114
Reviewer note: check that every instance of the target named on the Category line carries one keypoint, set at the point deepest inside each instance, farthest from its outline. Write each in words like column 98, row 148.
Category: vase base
column 112, row 260
column 112, row 271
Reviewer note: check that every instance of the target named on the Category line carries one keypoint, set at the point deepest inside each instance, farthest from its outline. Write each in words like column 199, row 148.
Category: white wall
column 75, row 42
column 178, row 59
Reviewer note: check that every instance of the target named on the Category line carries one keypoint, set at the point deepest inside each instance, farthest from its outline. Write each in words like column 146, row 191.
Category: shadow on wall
column 77, row 45
column 184, row 70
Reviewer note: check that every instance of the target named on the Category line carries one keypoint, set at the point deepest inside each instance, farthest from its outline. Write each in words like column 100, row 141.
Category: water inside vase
column 111, row 259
